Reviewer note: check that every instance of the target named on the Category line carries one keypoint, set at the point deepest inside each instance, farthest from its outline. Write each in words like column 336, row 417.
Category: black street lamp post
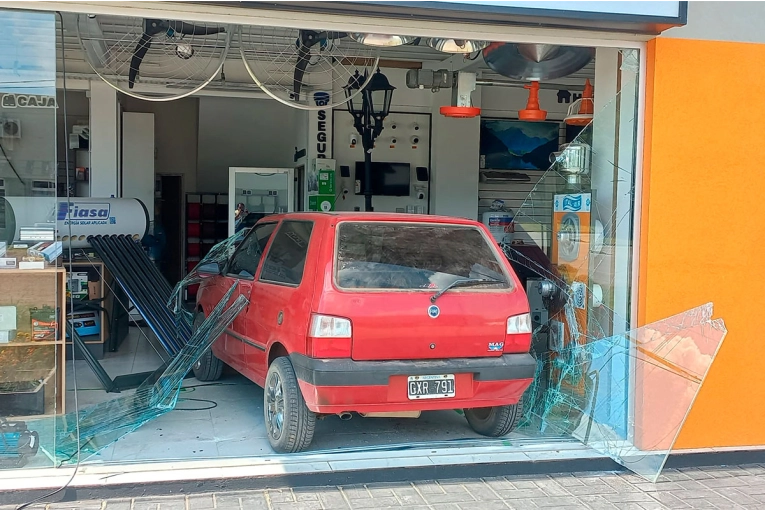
column 369, row 108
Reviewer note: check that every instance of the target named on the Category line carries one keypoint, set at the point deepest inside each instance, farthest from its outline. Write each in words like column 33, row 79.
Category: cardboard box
column 7, row 336
column 77, row 285
column 49, row 251
column 31, row 265
column 7, row 318
column 7, row 263
column 323, row 203
column 44, row 323
column 85, row 323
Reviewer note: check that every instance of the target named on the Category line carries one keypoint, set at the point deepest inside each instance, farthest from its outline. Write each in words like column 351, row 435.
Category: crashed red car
column 376, row 314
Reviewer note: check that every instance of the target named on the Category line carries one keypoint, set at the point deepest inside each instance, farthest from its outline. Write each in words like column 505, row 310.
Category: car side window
column 244, row 263
column 286, row 257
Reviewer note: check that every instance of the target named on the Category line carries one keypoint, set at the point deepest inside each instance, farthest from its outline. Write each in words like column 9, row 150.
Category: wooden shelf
column 46, row 271
column 27, row 344
column 37, row 288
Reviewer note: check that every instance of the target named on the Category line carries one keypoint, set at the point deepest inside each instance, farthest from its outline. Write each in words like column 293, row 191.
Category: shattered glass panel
column 101, row 424
column 218, row 255
column 623, row 391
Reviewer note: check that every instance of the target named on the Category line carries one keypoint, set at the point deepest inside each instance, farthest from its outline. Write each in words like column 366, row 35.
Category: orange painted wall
column 703, row 220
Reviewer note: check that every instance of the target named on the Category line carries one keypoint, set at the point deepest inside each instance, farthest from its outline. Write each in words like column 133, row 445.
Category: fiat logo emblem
column 433, row 311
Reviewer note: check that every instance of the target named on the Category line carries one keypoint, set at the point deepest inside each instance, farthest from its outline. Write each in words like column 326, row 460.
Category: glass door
column 258, row 192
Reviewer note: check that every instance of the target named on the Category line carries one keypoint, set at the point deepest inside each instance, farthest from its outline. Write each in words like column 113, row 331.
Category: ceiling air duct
column 536, row 61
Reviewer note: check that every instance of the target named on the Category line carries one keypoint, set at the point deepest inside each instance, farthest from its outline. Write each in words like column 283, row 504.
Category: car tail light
column 329, row 337
column 518, row 337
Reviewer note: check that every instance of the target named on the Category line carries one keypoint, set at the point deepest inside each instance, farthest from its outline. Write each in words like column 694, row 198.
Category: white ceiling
column 116, row 29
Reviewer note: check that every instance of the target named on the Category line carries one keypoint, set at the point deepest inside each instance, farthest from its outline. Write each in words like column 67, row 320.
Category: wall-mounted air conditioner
column 10, row 128
column 43, row 188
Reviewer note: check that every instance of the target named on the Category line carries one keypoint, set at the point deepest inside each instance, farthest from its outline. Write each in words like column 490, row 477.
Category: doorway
column 168, row 215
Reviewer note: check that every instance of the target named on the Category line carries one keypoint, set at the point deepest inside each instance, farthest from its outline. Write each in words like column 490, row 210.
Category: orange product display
column 532, row 111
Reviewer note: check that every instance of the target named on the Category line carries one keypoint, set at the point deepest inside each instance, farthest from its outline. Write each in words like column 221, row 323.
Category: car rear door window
column 244, row 263
column 407, row 256
column 286, row 257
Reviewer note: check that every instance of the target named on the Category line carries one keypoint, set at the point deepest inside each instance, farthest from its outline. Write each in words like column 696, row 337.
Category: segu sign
column 28, row 101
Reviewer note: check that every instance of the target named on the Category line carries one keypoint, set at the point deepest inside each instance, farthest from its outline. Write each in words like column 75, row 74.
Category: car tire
column 209, row 367
column 495, row 421
column 289, row 422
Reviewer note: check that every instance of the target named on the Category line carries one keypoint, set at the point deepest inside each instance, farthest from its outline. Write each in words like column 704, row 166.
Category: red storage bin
column 194, row 211
column 192, row 250
column 192, row 230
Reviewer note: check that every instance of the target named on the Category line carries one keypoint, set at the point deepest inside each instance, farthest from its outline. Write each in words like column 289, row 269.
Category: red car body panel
column 392, row 334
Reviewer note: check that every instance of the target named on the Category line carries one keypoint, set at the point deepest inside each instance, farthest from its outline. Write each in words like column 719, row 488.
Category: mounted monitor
column 388, row 179
column 517, row 145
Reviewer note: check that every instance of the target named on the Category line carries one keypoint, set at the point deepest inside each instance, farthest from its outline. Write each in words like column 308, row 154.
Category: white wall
column 403, row 151
column 722, row 21
column 455, row 143
column 245, row 133
column 104, row 140
column 175, row 136
column 138, row 158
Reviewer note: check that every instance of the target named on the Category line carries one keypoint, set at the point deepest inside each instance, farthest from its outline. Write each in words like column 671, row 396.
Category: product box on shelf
column 77, row 284
column 7, row 263
column 49, row 251
column 7, row 324
column 44, row 323
column 85, row 323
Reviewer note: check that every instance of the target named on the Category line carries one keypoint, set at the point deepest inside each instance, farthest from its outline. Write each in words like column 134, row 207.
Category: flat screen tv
column 388, row 179
column 517, row 144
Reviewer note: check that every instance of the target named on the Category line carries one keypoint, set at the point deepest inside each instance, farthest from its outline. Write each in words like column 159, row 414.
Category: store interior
column 193, row 147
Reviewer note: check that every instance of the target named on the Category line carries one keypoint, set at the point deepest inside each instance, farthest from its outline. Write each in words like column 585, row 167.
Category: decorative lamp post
column 369, row 109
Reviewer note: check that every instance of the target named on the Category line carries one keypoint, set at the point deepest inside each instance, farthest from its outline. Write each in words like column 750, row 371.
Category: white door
column 254, row 193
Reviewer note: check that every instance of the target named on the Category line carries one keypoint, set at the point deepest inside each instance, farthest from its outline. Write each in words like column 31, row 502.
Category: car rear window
column 406, row 256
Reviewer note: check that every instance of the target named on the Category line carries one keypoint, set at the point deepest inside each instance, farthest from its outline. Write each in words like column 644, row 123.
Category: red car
column 377, row 314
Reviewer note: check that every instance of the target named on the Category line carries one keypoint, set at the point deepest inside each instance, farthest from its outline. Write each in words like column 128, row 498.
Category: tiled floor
column 225, row 418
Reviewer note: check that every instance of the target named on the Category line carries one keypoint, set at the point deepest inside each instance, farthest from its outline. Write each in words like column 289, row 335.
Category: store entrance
column 536, row 142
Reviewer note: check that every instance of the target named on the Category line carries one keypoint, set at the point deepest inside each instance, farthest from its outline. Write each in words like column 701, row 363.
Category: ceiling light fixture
column 382, row 40
column 456, row 45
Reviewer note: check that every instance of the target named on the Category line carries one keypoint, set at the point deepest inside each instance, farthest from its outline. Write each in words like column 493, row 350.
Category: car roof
column 371, row 216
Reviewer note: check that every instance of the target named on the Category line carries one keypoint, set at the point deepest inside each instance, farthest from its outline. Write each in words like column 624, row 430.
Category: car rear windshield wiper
column 467, row 282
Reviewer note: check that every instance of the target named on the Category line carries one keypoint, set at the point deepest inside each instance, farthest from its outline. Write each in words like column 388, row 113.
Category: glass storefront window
column 32, row 374
column 576, row 264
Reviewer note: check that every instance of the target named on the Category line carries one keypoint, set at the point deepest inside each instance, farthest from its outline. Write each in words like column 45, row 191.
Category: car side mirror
column 208, row 269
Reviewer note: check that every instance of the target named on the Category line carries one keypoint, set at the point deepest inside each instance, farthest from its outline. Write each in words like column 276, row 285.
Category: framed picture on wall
column 508, row 144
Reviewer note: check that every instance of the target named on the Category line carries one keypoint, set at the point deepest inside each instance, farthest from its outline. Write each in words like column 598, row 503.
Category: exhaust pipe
column 345, row 415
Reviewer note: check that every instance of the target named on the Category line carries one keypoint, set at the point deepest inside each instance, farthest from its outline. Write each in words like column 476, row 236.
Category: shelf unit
column 23, row 361
column 96, row 344
column 206, row 225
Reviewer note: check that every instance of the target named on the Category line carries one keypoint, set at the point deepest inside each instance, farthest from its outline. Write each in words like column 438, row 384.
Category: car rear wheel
column 209, row 367
column 289, row 422
column 495, row 421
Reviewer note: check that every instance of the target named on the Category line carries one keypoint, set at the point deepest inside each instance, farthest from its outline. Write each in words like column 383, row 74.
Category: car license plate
column 431, row 386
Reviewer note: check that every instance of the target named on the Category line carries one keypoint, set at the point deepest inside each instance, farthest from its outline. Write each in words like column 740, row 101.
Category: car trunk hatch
column 387, row 274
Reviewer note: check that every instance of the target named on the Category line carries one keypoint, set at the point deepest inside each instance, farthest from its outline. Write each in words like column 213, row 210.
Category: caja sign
column 28, row 101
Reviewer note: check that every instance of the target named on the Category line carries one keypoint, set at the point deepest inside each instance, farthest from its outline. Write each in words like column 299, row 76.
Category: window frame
column 510, row 278
column 270, row 245
column 252, row 231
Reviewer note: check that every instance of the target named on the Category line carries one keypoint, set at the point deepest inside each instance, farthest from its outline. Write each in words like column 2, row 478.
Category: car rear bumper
column 332, row 386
